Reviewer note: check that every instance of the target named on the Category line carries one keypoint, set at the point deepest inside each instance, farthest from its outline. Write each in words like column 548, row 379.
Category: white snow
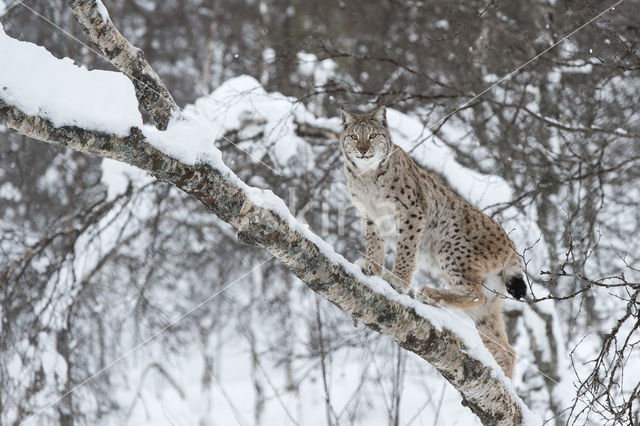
column 554, row 76
column 321, row 71
column 576, row 67
column 442, row 24
column 190, row 140
column 68, row 95
column 8, row 191
column 53, row 364
column 269, row 55
column 490, row 78
column 117, row 175
column 14, row 366
column 103, row 11
column 306, row 62
column 241, row 100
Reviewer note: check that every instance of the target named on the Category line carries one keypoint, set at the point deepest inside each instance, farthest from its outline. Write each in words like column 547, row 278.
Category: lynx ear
column 380, row 115
column 347, row 118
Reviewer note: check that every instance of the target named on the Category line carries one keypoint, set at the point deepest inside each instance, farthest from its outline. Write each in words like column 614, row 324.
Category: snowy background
column 97, row 256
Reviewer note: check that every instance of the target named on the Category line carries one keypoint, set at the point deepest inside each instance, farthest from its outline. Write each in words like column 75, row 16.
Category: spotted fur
column 430, row 226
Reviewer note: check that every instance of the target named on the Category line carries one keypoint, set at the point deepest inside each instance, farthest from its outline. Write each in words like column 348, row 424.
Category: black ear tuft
column 380, row 115
column 347, row 118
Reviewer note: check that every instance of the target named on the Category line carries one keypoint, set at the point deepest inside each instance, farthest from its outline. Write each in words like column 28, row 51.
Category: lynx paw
column 427, row 295
column 396, row 283
column 369, row 268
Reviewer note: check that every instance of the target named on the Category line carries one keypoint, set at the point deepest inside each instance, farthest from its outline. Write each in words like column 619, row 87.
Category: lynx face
column 365, row 138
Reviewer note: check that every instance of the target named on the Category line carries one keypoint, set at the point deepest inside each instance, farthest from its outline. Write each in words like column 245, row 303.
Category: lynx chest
column 373, row 204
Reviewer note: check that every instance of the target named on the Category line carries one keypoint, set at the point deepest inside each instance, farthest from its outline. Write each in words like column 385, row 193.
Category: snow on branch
column 38, row 83
column 150, row 90
column 184, row 156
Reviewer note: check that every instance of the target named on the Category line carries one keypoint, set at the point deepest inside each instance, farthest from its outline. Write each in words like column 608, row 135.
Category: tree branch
column 485, row 394
column 151, row 92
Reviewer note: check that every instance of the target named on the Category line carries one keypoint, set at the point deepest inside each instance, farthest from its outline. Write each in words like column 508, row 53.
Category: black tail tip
column 517, row 287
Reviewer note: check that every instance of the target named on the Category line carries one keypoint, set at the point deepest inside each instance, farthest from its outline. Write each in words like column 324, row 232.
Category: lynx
column 412, row 211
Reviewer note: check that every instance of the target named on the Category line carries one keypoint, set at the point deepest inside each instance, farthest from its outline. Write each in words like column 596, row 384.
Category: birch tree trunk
column 484, row 393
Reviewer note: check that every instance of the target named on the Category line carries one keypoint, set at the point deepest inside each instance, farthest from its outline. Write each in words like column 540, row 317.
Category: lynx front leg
column 372, row 265
column 404, row 264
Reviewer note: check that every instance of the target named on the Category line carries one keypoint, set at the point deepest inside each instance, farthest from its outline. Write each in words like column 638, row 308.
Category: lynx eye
column 373, row 135
column 354, row 136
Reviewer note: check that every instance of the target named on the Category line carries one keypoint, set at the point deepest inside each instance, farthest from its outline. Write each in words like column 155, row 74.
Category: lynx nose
column 362, row 148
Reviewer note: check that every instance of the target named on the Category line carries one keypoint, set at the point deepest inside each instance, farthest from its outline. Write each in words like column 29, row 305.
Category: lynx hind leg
column 463, row 294
column 492, row 331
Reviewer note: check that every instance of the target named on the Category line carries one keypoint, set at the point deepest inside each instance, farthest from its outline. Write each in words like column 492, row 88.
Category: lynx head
column 365, row 138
